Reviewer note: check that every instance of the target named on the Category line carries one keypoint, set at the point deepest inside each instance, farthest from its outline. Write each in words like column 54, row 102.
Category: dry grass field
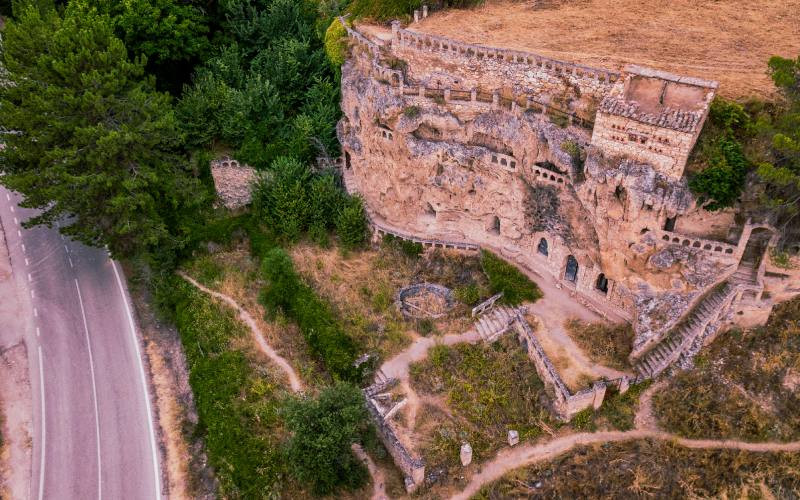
column 725, row 40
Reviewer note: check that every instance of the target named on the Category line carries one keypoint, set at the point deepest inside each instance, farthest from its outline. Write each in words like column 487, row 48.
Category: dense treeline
column 748, row 155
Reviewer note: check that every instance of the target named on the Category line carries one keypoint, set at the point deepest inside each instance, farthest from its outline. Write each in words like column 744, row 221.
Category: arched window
column 571, row 274
column 602, row 283
column 542, row 248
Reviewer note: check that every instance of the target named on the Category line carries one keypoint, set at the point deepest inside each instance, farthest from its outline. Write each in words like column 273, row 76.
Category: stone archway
column 602, row 283
column 571, row 271
column 756, row 246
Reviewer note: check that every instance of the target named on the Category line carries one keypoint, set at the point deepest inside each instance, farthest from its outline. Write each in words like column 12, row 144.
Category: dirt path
column 514, row 458
column 258, row 336
column 397, row 367
column 378, row 480
column 17, row 415
column 644, row 417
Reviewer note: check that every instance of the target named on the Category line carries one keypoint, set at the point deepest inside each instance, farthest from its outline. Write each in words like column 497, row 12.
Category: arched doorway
column 542, row 248
column 757, row 244
column 571, row 273
column 602, row 283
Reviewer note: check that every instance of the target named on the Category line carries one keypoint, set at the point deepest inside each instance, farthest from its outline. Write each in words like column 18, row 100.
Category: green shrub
column 323, row 333
column 720, row 156
column 351, row 223
column 236, row 403
column 411, row 111
column 503, row 277
column 323, row 428
column 336, row 43
column 468, row 294
column 383, row 10
column 409, row 248
column 584, row 420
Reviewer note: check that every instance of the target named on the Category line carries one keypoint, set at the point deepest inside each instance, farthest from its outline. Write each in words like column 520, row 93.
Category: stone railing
column 517, row 103
column 566, row 404
column 413, row 468
column 486, row 305
column 717, row 247
column 506, row 161
column 424, row 41
column 360, row 39
column 541, row 174
column 381, row 230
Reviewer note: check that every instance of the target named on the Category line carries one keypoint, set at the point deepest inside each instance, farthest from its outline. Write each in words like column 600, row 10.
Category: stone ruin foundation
column 233, row 182
column 425, row 300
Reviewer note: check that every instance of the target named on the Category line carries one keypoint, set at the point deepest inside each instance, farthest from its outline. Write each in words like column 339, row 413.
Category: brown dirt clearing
column 727, row 40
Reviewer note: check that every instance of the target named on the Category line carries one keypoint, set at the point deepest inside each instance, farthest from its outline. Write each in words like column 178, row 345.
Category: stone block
column 513, row 437
column 466, row 454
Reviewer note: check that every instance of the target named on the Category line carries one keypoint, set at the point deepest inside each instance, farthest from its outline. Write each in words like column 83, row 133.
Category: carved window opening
column 542, row 248
column 602, row 283
column 571, row 272
column 494, row 225
column 620, row 194
column 669, row 224
column 347, row 163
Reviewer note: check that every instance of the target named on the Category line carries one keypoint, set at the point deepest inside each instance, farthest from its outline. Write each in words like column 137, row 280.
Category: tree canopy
column 94, row 144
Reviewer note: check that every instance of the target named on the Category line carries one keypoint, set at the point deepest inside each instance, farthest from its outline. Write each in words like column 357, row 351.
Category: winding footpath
column 258, row 336
column 515, row 458
column 378, row 480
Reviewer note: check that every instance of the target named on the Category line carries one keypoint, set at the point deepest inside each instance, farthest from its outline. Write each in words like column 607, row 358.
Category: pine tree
column 93, row 144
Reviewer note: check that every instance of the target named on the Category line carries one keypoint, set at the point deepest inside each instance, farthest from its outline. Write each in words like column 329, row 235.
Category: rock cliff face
column 528, row 157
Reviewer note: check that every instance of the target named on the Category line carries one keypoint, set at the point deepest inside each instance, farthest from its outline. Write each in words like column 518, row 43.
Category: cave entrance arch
column 602, row 283
column 571, row 272
column 542, row 248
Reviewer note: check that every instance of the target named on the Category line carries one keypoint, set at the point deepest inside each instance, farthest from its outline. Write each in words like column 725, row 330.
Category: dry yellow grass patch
column 725, row 40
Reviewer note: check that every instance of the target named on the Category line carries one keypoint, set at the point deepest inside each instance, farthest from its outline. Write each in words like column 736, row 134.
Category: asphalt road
column 93, row 432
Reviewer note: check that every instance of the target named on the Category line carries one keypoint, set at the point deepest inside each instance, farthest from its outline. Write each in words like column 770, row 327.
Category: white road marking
column 30, row 278
column 66, row 249
column 26, row 261
column 44, row 427
column 70, row 261
column 37, row 332
column 23, row 248
column 16, row 221
column 156, row 470
column 33, row 296
column 35, row 313
column 94, row 394
column 8, row 197
column 12, row 208
column 19, row 234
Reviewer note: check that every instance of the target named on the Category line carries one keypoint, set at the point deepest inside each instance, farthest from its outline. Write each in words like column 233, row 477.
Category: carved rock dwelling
column 565, row 170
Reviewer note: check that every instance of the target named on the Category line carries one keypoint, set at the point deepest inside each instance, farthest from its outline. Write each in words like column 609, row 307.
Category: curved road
column 94, row 436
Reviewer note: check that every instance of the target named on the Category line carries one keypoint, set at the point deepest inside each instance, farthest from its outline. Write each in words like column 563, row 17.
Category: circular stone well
column 425, row 300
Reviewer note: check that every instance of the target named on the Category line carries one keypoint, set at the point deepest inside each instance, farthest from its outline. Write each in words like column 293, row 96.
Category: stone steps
column 666, row 352
column 492, row 324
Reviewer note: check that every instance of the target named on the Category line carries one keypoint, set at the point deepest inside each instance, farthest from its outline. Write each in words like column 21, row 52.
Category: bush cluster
column 325, row 336
column 293, row 200
column 503, row 277
column 236, row 405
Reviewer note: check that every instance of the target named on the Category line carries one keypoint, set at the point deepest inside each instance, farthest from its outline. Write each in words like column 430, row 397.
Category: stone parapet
column 424, row 41
column 675, row 119
column 717, row 247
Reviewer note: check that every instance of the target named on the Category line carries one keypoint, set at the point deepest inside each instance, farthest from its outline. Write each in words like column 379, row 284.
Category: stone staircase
column 495, row 322
column 670, row 348
column 746, row 274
